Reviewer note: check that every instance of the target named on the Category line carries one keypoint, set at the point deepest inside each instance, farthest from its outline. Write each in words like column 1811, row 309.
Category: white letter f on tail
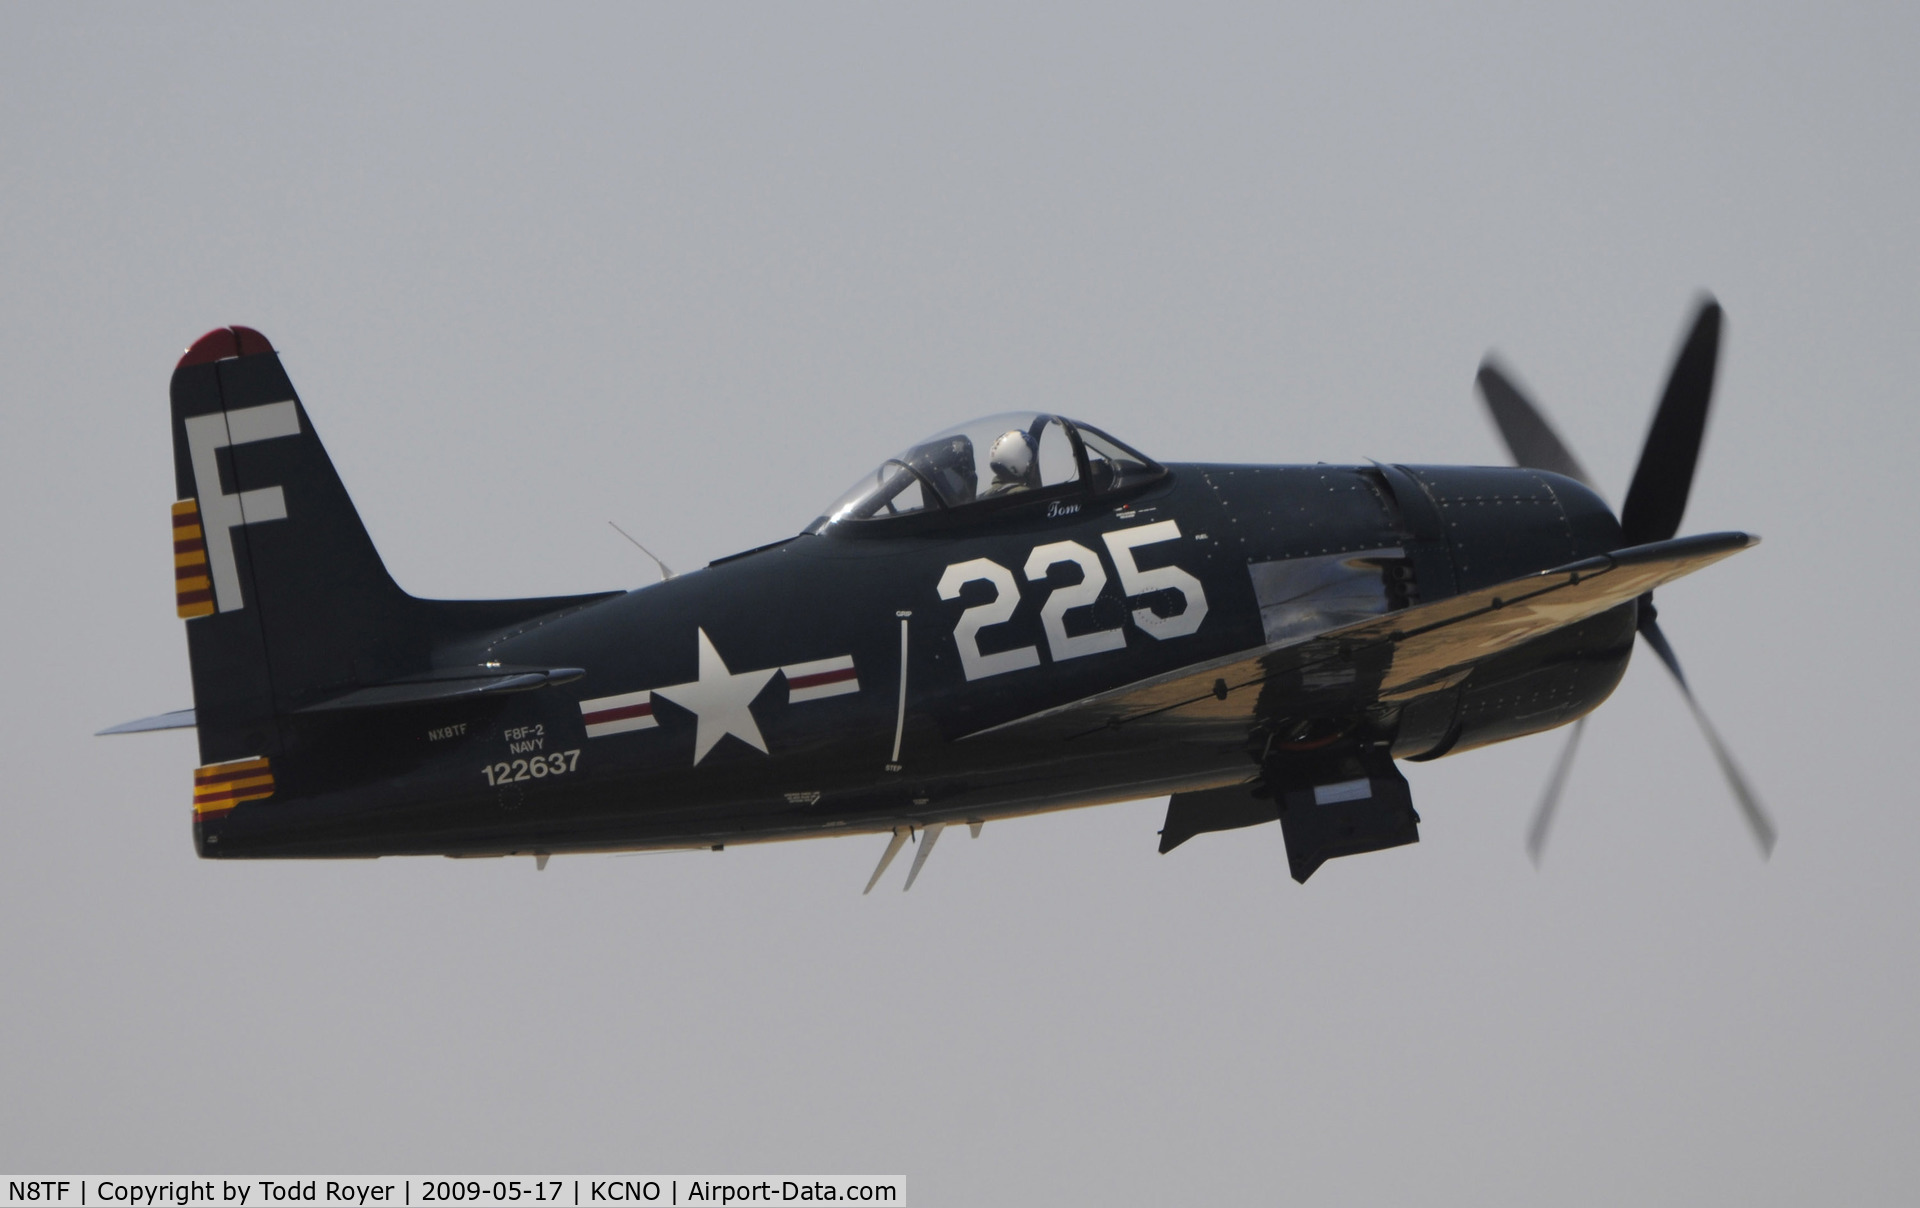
column 221, row 513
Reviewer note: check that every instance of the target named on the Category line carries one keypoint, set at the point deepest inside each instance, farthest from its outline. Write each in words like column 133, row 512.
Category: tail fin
column 286, row 601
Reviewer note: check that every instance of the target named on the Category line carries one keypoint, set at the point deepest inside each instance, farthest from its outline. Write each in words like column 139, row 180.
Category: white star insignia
column 721, row 700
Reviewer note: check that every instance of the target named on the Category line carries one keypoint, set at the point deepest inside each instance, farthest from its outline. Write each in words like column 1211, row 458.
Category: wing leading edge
column 1395, row 657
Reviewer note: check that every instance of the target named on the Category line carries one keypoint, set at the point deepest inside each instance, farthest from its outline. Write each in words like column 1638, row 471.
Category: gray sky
column 694, row 269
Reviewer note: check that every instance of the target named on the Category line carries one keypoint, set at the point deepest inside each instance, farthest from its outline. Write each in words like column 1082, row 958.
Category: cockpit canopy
column 1016, row 455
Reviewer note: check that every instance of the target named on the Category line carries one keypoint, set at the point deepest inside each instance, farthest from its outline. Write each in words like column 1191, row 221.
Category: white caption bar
column 364, row 1191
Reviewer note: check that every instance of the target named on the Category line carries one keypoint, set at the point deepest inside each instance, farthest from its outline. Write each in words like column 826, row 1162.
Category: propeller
column 1664, row 477
column 1531, row 439
column 1656, row 500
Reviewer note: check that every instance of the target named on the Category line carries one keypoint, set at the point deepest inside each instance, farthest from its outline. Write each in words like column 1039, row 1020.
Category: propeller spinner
column 1654, row 505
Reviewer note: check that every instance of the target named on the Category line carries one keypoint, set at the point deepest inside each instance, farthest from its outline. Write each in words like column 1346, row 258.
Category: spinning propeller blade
column 1656, row 500
column 1664, row 477
column 1543, row 813
column 1530, row 438
column 1757, row 820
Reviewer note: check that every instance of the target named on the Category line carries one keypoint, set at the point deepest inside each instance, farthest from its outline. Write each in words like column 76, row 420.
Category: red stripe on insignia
column 203, row 596
column 193, row 570
column 824, row 677
column 186, row 519
column 192, row 545
column 620, row 714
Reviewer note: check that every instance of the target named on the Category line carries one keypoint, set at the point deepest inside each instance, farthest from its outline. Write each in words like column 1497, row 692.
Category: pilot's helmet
column 1012, row 457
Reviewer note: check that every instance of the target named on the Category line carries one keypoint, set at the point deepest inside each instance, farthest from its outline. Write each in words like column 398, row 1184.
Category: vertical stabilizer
column 284, row 597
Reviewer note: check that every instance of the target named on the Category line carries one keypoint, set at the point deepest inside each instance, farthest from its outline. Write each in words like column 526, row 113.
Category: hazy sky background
column 694, row 270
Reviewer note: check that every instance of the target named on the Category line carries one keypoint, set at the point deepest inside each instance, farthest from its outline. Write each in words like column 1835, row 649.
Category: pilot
column 1014, row 466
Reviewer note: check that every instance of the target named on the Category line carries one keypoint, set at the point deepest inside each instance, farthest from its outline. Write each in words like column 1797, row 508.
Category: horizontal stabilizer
column 448, row 684
column 179, row 719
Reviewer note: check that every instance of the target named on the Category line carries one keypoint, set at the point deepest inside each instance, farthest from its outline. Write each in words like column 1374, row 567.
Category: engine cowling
column 1476, row 526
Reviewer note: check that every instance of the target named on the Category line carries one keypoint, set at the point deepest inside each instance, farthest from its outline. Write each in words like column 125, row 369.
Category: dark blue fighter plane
column 1020, row 614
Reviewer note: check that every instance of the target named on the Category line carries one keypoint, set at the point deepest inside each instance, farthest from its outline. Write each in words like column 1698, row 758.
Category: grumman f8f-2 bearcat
column 1020, row 614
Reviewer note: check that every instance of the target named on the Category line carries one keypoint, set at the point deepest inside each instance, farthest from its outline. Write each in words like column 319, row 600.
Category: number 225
column 1060, row 644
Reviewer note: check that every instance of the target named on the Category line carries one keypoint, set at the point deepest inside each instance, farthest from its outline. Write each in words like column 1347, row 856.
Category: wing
column 1393, row 657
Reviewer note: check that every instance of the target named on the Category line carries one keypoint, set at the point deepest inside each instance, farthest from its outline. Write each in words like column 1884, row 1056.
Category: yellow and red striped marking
column 219, row 787
column 192, row 588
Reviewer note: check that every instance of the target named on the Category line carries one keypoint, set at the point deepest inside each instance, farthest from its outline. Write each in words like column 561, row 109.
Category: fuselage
column 847, row 679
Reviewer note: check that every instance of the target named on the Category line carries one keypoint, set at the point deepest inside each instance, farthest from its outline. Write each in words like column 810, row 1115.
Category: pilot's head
column 1012, row 460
